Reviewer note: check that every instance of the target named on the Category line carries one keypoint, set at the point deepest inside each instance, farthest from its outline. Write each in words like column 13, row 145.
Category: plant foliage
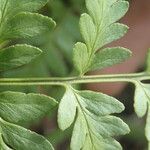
column 142, row 100
column 91, row 114
column 98, row 28
column 17, row 20
column 94, row 126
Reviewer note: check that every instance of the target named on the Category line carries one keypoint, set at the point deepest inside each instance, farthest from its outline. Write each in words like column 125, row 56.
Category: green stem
column 133, row 78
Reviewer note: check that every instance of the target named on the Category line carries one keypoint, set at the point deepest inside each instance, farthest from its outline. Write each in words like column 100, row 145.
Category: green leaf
column 11, row 7
column 98, row 28
column 142, row 105
column 67, row 109
column 17, row 55
column 20, row 108
column 94, row 127
column 98, row 9
column 100, row 104
column 81, row 57
column 26, row 25
column 20, row 138
column 88, row 31
column 140, row 99
column 105, row 144
column 110, row 34
column 147, row 128
column 106, row 12
column 118, row 10
column 146, row 100
column 78, row 140
column 3, row 146
column 109, row 57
